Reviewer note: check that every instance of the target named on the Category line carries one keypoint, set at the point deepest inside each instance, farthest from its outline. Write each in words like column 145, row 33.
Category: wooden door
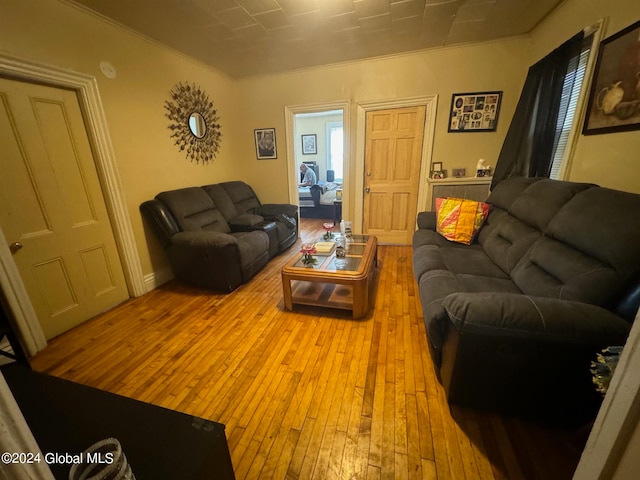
column 53, row 213
column 393, row 155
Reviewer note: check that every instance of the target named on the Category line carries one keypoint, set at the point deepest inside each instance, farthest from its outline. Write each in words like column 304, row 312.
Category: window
column 570, row 93
column 335, row 149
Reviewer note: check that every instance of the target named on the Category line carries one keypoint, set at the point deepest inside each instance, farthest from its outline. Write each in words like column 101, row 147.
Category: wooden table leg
column 286, row 290
column 360, row 298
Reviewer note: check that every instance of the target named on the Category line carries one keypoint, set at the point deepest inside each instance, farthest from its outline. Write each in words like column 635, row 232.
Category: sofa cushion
column 242, row 196
column 610, row 218
column 553, row 269
column 507, row 240
column 507, row 191
column 468, row 260
column 459, row 220
column 572, row 265
column 539, row 203
column 424, row 236
column 194, row 210
column 222, row 201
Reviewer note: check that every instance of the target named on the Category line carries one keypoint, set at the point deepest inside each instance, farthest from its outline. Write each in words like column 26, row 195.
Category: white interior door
column 54, row 215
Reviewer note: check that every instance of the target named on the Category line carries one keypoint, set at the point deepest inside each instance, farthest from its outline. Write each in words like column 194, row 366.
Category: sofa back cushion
column 604, row 224
column 522, row 210
column 194, row 210
column 242, row 196
column 503, row 237
column 507, row 191
column 540, row 202
column 222, row 201
column 590, row 250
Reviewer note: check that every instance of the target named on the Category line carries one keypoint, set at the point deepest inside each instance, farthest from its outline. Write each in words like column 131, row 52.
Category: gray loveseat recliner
column 219, row 236
column 514, row 319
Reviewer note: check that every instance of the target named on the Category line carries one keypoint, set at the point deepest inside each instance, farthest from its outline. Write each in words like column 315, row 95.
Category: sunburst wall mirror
column 194, row 122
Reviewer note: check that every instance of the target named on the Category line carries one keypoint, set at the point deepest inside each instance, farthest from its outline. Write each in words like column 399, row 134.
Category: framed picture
column 436, row 166
column 265, row 139
column 459, row 172
column 474, row 112
column 614, row 100
column 309, row 144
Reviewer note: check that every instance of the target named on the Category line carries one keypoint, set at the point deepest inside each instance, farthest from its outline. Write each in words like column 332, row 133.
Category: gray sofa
column 514, row 319
column 219, row 236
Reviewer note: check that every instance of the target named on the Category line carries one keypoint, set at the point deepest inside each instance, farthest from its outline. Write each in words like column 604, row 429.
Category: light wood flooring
column 309, row 394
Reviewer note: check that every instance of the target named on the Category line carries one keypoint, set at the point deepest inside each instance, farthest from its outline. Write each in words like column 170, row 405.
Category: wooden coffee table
column 333, row 282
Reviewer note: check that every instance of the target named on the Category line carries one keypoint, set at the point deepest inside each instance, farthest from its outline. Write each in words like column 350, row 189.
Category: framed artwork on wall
column 309, row 146
column 614, row 100
column 474, row 112
column 265, row 139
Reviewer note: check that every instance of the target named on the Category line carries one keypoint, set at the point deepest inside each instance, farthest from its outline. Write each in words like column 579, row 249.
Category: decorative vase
column 308, row 260
column 609, row 98
column 328, row 230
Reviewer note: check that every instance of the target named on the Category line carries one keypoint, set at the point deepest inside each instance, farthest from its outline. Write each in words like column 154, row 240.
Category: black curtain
column 529, row 145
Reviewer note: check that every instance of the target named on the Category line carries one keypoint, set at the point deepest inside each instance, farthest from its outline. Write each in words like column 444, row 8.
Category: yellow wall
column 52, row 32
column 609, row 160
column 488, row 66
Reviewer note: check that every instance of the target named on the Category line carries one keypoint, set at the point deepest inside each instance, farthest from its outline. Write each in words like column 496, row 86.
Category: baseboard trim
column 155, row 279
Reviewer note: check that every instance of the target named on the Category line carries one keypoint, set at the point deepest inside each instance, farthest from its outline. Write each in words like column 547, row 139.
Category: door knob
column 15, row 246
column 367, row 189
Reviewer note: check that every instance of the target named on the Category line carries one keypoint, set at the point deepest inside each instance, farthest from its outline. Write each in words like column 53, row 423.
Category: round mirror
column 197, row 125
column 197, row 133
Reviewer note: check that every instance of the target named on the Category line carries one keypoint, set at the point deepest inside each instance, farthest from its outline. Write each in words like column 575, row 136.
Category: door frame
column 292, row 173
column 86, row 88
column 430, row 102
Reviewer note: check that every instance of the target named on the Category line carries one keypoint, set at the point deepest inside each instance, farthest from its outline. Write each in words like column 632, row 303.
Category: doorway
column 318, row 137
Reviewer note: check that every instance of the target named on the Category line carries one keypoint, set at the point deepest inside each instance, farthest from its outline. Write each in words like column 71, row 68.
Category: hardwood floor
column 307, row 394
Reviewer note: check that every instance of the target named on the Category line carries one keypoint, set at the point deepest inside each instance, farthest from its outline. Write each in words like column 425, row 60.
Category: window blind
column 570, row 93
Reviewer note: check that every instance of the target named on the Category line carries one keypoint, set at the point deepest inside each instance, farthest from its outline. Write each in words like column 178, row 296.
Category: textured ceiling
column 249, row 37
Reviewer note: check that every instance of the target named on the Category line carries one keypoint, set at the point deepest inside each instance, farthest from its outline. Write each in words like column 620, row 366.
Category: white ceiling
column 249, row 37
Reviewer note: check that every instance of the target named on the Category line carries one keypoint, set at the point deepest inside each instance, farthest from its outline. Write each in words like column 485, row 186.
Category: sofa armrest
column 161, row 219
column 525, row 356
column 206, row 259
column 427, row 220
column 283, row 213
column 544, row 319
column 279, row 208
